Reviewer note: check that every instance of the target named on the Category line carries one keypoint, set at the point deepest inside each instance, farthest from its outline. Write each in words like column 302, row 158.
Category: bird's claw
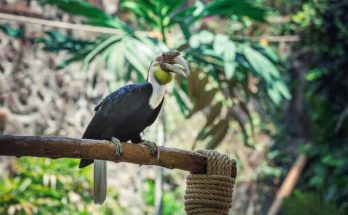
column 152, row 147
column 118, row 146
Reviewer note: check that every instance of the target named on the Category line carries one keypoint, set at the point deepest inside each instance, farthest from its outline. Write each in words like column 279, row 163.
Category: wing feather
column 117, row 107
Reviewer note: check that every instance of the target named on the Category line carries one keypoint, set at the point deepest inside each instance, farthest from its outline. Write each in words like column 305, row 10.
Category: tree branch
column 108, row 30
column 59, row 24
column 64, row 147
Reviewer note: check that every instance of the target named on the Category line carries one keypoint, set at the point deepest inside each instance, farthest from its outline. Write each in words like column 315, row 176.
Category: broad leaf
column 217, row 133
column 229, row 59
column 80, row 8
column 213, row 113
column 116, row 61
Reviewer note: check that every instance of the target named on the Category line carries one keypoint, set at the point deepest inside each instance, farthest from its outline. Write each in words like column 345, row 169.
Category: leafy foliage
column 162, row 15
column 223, row 68
column 170, row 203
column 327, row 97
column 44, row 186
column 228, row 67
column 56, row 41
column 11, row 31
column 326, row 89
column 309, row 204
column 92, row 15
column 227, row 64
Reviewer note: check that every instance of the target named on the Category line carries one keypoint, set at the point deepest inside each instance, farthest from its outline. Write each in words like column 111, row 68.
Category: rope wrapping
column 211, row 193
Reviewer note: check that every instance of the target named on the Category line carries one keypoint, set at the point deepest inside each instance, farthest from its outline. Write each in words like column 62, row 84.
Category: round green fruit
column 162, row 77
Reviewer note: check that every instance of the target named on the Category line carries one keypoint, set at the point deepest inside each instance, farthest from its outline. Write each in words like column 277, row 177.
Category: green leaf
column 204, row 98
column 116, row 60
column 280, row 86
column 260, row 64
column 315, row 74
column 242, row 127
column 94, row 16
column 173, row 5
column 141, row 10
column 244, row 108
column 182, row 106
column 274, row 95
column 229, row 59
column 11, row 31
column 185, row 29
column 309, row 203
column 180, row 16
column 74, row 58
column 266, row 70
column 24, row 185
column 333, row 161
column 210, row 53
column 133, row 60
column 101, row 47
column 183, row 84
column 139, row 55
column 199, row 9
column 239, row 8
column 80, row 8
column 105, row 23
column 204, row 37
column 214, row 112
column 219, row 44
column 217, row 134
column 268, row 52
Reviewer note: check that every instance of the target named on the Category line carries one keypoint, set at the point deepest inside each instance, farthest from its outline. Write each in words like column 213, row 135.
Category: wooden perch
column 64, row 147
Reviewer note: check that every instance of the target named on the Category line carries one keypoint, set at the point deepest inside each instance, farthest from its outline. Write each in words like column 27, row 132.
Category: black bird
column 125, row 113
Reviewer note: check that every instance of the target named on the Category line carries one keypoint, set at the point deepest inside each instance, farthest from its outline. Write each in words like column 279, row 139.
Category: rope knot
column 211, row 193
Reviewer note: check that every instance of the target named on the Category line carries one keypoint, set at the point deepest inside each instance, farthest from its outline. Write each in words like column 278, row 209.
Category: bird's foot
column 152, row 147
column 118, row 146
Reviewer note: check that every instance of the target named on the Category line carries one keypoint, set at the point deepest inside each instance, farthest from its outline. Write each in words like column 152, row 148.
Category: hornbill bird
column 125, row 113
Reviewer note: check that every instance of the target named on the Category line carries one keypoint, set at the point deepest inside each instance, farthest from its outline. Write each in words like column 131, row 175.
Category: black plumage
column 123, row 114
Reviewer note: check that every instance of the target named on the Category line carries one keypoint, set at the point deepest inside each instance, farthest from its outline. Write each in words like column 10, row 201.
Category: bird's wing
column 117, row 107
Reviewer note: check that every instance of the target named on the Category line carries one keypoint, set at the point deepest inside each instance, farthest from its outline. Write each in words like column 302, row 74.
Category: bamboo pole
column 288, row 184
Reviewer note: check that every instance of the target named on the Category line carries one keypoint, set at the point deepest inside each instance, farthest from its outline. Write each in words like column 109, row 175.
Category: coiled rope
column 211, row 193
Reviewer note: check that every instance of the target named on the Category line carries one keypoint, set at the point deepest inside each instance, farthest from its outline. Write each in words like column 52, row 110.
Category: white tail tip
column 99, row 181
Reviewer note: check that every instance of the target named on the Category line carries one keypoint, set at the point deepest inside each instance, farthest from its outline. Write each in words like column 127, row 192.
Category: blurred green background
column 269, row 82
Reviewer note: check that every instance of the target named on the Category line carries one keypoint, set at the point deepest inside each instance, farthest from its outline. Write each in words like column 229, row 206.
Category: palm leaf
column 80, row 8
column 101, row 47
column 141, row 9
column 214, row 112
column 240, row 122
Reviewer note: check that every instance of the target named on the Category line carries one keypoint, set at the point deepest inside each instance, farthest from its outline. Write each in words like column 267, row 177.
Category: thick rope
column 210, row 193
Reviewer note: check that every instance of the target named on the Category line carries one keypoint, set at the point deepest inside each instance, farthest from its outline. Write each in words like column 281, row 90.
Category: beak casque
column 179, row 66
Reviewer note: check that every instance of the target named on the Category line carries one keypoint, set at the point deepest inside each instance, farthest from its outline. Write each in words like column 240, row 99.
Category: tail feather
column 99, row 181
column 85, row 162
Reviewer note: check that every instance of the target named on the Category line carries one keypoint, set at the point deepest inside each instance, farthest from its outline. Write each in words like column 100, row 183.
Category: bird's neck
column 158, row 90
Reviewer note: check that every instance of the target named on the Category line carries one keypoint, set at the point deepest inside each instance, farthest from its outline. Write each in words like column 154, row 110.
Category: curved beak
column 179, row 66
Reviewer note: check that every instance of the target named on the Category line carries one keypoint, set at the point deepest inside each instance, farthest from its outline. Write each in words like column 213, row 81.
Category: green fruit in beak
column 162, row 77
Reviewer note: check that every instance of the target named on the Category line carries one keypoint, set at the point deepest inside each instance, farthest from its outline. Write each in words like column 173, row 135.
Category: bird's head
column 166, row 64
